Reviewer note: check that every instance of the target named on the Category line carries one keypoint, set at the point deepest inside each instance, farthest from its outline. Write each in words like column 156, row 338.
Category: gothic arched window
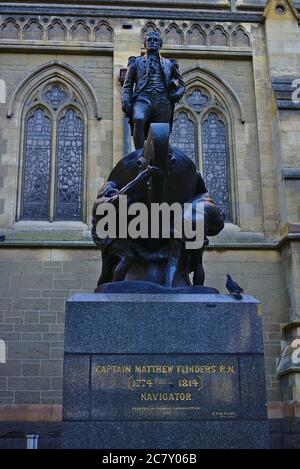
column 37, row 160
column 53, row 155
column 200, row 130
column 69, row 166
column 184, row 135
column 214, row 158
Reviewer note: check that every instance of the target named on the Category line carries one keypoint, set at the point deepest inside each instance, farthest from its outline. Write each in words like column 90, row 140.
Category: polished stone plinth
column 163, row 371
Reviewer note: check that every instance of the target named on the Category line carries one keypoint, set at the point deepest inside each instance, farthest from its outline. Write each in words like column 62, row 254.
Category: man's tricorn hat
column 155, row 34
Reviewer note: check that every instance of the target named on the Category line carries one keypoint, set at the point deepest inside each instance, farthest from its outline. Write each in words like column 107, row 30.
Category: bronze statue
column 151, row 88
column 154, row 173
column 157, row 173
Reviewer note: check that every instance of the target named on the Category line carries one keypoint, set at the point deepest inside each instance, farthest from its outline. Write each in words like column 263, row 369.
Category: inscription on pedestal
column 171, row 371
column 154, row 387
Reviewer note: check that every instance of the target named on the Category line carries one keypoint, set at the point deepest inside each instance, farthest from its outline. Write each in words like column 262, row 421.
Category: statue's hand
column 127, row 108
column 175, row 96
column 107, row 193
column 111, row 193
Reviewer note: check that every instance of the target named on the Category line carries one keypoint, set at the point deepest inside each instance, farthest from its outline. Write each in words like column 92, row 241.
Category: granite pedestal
column 163, row 371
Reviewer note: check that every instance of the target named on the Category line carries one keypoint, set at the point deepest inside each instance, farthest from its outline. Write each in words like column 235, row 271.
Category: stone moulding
column 129, row 12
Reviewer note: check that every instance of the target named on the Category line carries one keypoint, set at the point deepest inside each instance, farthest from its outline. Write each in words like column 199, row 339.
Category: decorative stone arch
column 80, row 26
column 222, row 114
column 2, row 351
column 62, row 72
column 107, row 30
column 60, row 30
column 29, row 115
column 218, row 37
column 192, row 40
column 173, row 35
column 68, row 106
column 150, row 26
column 183, row 109
column 33, row 30
column 12, row 27
column 2, row 91
column 240, row 37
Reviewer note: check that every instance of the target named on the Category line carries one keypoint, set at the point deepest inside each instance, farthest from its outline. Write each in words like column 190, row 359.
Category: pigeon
column 234, row 289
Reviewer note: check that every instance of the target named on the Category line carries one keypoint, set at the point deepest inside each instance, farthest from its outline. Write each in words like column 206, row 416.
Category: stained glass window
column 37, row 158
column 55, row 95
column 197, row 99
column 184, row 135
column 53, row 156
column 215, row 161
column 69, row 166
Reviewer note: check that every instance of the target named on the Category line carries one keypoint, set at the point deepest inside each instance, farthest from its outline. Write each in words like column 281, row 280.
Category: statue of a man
column 152, row 86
